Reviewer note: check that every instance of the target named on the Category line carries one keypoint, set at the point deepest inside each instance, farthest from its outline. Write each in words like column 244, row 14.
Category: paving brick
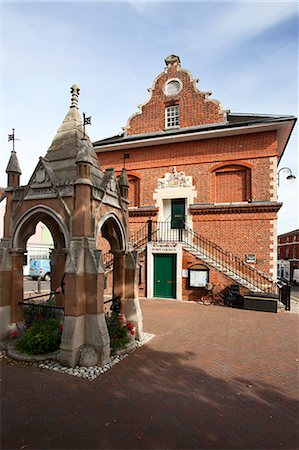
column 231, row 382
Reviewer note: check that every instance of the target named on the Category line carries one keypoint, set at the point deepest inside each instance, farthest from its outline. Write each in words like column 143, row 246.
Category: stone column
column 57, row 271
column 8, row 212
column 17, row 291
column 97, row 337
column 84, row 330
column 5, row 288
column 119, row 278
column 132, row 306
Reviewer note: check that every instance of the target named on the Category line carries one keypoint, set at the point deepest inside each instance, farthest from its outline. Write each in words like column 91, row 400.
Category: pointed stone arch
column 26, row 224
column 112, row 230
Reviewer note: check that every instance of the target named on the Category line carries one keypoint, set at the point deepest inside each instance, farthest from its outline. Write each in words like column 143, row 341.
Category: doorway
column 165, row 275
column 177, row 213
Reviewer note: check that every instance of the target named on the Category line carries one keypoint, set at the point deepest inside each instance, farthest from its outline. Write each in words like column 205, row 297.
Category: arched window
column 232, row 183
column 134, row 190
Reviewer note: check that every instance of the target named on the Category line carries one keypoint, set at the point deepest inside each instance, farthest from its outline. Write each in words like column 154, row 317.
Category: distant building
column 203, row 188
column 38, row 246
column 288, row 254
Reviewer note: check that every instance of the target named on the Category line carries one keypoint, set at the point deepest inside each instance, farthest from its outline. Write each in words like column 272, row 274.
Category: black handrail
column 232, row 262
column 47, row 297
column 163, row 232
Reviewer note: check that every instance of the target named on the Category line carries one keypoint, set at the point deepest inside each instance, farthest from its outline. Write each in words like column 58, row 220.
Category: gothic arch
column 25, row 227
column 112, row 230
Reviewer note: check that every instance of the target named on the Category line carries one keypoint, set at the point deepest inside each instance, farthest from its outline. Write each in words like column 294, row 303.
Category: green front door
column 177, row 213
column 165, row 276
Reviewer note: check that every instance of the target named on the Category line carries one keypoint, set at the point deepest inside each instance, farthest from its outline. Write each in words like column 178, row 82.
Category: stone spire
column 75, row 91
column 83, row 155
column 13, row 171
column 123, row 183
column 66, row 145
column 13, row 165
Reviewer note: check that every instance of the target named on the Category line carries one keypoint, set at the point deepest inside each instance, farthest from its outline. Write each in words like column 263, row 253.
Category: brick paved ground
column 213, row 377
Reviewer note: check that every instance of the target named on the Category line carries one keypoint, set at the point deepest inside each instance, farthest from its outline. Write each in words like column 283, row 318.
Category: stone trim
column 273, row 178
column 169, row 248
column 143, row 212
column 174, row 185
column 235, row 208
column 273, row 249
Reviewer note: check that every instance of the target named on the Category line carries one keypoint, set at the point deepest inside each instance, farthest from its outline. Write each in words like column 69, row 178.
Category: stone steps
column 230, row 273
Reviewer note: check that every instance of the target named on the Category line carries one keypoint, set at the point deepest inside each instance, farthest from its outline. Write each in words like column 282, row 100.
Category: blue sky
column 246, row 53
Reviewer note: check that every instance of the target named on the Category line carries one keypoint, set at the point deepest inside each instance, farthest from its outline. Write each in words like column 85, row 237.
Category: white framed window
column 172, row 116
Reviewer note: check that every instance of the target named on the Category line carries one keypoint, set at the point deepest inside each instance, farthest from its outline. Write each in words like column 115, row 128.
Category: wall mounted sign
column 250, row 258
column 162, row 247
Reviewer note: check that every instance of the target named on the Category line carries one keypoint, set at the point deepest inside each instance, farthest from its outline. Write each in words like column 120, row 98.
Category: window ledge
column 177, row 127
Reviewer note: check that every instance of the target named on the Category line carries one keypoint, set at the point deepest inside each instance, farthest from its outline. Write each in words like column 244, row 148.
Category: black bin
column 285, row 296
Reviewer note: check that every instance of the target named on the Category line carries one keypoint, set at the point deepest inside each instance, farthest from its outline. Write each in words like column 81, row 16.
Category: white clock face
column 172, row 87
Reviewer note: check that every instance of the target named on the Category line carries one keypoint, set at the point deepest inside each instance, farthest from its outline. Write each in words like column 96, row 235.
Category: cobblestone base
column 91, row 373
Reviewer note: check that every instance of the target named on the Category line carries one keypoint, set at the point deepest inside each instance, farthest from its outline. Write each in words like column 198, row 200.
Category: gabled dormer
column 175, row 103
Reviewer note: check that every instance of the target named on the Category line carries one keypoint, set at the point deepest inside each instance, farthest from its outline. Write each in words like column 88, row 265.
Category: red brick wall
column 238, row 233
column 152, row 115
column 230, row 148
column 200, row 158
column 241, row 234
column 215, row 277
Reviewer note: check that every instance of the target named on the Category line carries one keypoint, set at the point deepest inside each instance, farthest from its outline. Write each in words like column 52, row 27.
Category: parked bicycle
column 210, row 296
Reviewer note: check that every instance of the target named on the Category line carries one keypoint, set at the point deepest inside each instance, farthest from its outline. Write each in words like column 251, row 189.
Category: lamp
column 289, row 176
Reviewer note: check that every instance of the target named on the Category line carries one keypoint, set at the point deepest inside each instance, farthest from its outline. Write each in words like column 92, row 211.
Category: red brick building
column 288, row 254
column 207, row 180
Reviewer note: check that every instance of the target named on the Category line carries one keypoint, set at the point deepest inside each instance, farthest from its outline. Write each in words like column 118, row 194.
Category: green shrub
column 43, row 336
column 117, row 332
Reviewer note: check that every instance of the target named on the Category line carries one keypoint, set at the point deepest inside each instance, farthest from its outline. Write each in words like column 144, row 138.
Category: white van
column 296, row 276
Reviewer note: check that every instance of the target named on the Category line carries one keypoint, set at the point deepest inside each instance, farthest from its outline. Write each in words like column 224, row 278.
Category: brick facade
column 288, row 255
column 151, row 117
column 232, row 200
column 288, row 245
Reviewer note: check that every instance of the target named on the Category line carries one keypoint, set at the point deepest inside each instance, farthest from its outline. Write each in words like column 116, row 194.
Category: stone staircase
column 237, row 277
column 206, row 251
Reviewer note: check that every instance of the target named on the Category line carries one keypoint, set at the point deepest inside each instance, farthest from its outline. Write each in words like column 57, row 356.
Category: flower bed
column 121, row 332
column 40, row 332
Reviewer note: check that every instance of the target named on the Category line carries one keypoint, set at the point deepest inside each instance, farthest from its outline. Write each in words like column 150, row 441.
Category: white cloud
column 114, row 51
column 231, row 23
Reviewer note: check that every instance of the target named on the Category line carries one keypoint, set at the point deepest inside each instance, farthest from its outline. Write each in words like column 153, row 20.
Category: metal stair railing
column 162, row 231
column 231, row 262
column 203, row 247
column 138, row 240
column 141, row 237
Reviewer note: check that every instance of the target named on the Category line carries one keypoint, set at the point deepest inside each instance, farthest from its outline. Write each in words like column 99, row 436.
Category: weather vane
column 86, row 121
column 11, row 137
